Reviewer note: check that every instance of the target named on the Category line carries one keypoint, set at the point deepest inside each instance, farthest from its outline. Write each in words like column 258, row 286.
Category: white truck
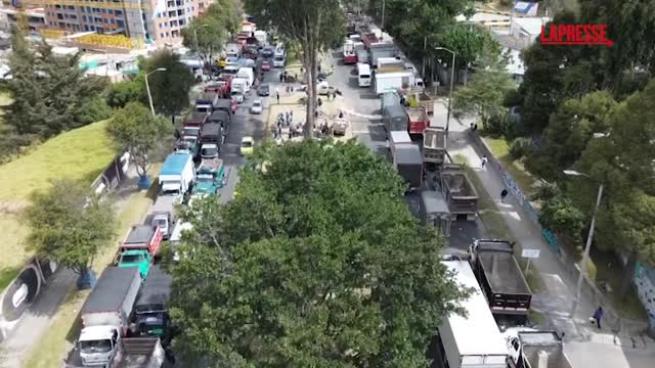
column 176, row 174
column 473, row 341
column 392, row 79
column 247, row 74
column 261, row 37
column 140, row 352
column 530, row 348
column 162, row 214
column 105, row 316
column 241, row 86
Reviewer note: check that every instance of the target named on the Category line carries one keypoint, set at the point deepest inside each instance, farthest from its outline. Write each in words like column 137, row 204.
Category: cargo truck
column 473, row 340
column 210, row 177
column 397, row 138
column 394, row 118
column 409, row 164
column 206, row 101
column 434, row 145
column 105, row 317
column 501, row 279
column 417, row 120
column 460, row 194
column 392, row 80
column 140, row 352
column 176, row 175
column 151, row 306
column 530, row 348
column 162, row 214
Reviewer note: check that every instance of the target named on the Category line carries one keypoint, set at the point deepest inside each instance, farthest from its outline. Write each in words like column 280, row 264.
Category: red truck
column 143, row 237
column 417, row 120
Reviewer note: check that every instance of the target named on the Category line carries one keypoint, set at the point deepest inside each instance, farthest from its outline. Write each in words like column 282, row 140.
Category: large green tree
column 69, row 224
column 314, row 25
column 208, row 33
column 169, row 88
column 316, row 263
column 134, row 130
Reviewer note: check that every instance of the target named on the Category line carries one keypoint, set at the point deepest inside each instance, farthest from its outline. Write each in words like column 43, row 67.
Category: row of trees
column 208, row 33
column 317, row 262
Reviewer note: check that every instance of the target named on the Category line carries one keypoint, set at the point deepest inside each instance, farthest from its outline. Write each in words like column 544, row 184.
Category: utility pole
column 452, row 83
column 383, row 5
column 152, row 106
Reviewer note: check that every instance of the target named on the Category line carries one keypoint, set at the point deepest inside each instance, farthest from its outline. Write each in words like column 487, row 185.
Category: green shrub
column 520, row 147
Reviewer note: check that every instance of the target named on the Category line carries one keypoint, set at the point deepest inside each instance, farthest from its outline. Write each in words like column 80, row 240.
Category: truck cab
column 163, row 220
column 188, row 144
column 138, row 258
column 98, row 345
column 209, row 178
column 209, row 151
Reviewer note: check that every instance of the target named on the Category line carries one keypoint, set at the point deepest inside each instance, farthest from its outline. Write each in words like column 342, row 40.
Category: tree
column 135, row 130
column 170, row 88
column 318, row 262
column 470, row 42
column 69, row 224
column 123, row 92
column 207, row 33
column 315, row 25
column 485, row 94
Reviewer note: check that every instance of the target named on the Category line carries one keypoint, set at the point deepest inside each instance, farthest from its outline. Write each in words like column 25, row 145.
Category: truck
column 387, row 99
column 501, row 279
column 363, row 56
column 224, row 104
column 211, row 132
column 418, row 97
column 460, row 194
column 162, row 214
column 188, row 144
column 135, row 258
column 151, row 307
column 392, row 80
column 434, row 211
column 473, row 340
column 247, row 74
column 409, row 164
column 397, row 138
column 196, row 119
column 389, row 61
column 530, row 348
column 221, row 117
column 130, row 353
column 206, row 101
column 434, row 145
column 381, row 50
column 210, row 177
column 394, row 118
column 176, row 174
column 147, row 237
column 105, row 316
column 240, row 86
column 417, row 120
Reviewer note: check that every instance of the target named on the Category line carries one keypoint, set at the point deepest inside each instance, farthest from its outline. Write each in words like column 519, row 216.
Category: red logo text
column 575, row 34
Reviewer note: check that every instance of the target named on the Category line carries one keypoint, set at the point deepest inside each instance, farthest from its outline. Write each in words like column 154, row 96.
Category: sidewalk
column 38, row 318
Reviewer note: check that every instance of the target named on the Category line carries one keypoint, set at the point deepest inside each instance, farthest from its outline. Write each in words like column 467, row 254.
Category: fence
column 644, row 278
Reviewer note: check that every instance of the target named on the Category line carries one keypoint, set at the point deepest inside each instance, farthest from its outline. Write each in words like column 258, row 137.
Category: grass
column 500, row 149
column 79, row 154
column 58, row 340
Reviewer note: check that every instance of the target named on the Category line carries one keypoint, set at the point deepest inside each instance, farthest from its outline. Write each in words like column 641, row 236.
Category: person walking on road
column 503, row 195
column 483, row 161
column 277, row 96
column 598, row 315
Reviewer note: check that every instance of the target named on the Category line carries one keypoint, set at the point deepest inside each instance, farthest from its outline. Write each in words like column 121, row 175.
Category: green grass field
column 79, row 154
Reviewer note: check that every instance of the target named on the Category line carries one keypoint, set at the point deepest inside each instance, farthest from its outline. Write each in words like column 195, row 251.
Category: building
column 149, row 21
column 9, row 16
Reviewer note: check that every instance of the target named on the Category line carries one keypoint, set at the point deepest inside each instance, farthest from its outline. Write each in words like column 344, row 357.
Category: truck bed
column 140, row 234
column 540, row 342
column 503, row 273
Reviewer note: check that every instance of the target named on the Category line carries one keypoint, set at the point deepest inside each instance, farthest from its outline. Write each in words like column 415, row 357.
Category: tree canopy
column 317, row 262
column 135, row 130
column 207, row 33
column 169, row 88
column 70, row 224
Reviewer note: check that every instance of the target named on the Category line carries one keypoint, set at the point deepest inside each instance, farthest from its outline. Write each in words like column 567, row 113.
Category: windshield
column 279, row 58
column 190, row 131
column 161, row 222
column 246, row 144
column 131, row 258
column 205, row 178
column 211, row 151
column 95, row 346
column 189, row 141
column 256, row 104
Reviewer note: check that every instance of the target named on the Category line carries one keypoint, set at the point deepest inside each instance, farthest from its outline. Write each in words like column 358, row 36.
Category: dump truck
column 417, row 120
column 148, row 237
column 501, row 279
column 434, row 145
column 530, row 348
column 151, row 306
column 409, row 164
column 420, row 98
column 105, row 317
column 460, row 194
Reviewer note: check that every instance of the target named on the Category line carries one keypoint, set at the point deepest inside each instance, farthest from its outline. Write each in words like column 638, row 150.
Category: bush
column 94, row 110
column 560, row 215
column 520, row 147
column 496, row 126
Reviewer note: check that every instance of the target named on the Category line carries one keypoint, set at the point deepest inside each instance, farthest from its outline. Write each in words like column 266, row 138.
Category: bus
column 363, row 75
column 471, row 341
column 349, row 54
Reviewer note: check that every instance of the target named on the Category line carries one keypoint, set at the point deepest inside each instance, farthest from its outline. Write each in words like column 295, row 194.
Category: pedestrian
column 483, row 161
column 503, row 195
column 281, row 77
column 598, row 315
column 320, row 102
column 340, row 114
column 277, row 97
column 475, row 127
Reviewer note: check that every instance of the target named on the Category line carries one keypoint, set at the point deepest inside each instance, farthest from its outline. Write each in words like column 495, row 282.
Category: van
column 363, row 75
column 240, row 85
column 247, row 74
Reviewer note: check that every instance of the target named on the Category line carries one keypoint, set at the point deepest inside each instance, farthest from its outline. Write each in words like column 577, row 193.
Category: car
column 324, row 88
column 279, row 61
column 267, row 52
column 237, row 96
column 247, row 146
column 257, row 107
column 266, row 65
column 264, row 90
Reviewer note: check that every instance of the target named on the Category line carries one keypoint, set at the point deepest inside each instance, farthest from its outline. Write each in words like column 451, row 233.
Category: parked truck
column 206, row 101
column 417, row 120
column 130, row 353
column 394, row 118
column 396, row 139
column 420, row 98
column 387, row 79
column 530, row 348
column 148, row 237
column 460, row 194
column 151, row 307
column 210, row 177
column 105, row 317
column 409, row 164
column 176, row 174
column 501, row 279
column 434, row 145
column 162, row 214
column 472, row 340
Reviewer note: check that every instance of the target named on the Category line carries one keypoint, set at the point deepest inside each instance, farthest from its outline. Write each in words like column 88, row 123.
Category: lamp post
column 590, row 236
column 152, row 106
column 452, row 81
column 382, row 22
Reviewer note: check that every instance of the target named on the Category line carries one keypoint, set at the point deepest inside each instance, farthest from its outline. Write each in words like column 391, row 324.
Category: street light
column 152, row 107
column 590, row 236
column 452, row 80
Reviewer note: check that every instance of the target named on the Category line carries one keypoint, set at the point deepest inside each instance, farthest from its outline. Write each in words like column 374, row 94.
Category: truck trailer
column 501, row 279
column 417, row 120
column 394, row 118
column 409, row 164
column 176, row 174
column 434, row 145
column 460, row 194
column 471, row 341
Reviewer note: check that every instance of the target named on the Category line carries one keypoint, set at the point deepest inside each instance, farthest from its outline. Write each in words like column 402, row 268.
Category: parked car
column 266, row 65
column 264, row 90
column 257, row 107
column 279, row 61
column 247, row 146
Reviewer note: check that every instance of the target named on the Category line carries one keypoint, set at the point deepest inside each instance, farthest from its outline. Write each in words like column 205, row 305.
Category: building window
column 60, row 16
column 110, row 11
column 120, row 23
column 161, row 35
column 118, row 12
column 86, row 27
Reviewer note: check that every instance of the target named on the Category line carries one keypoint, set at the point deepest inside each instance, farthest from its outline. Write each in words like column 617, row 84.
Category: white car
column 237, row 96
column 279, row 61
column 257, row 107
